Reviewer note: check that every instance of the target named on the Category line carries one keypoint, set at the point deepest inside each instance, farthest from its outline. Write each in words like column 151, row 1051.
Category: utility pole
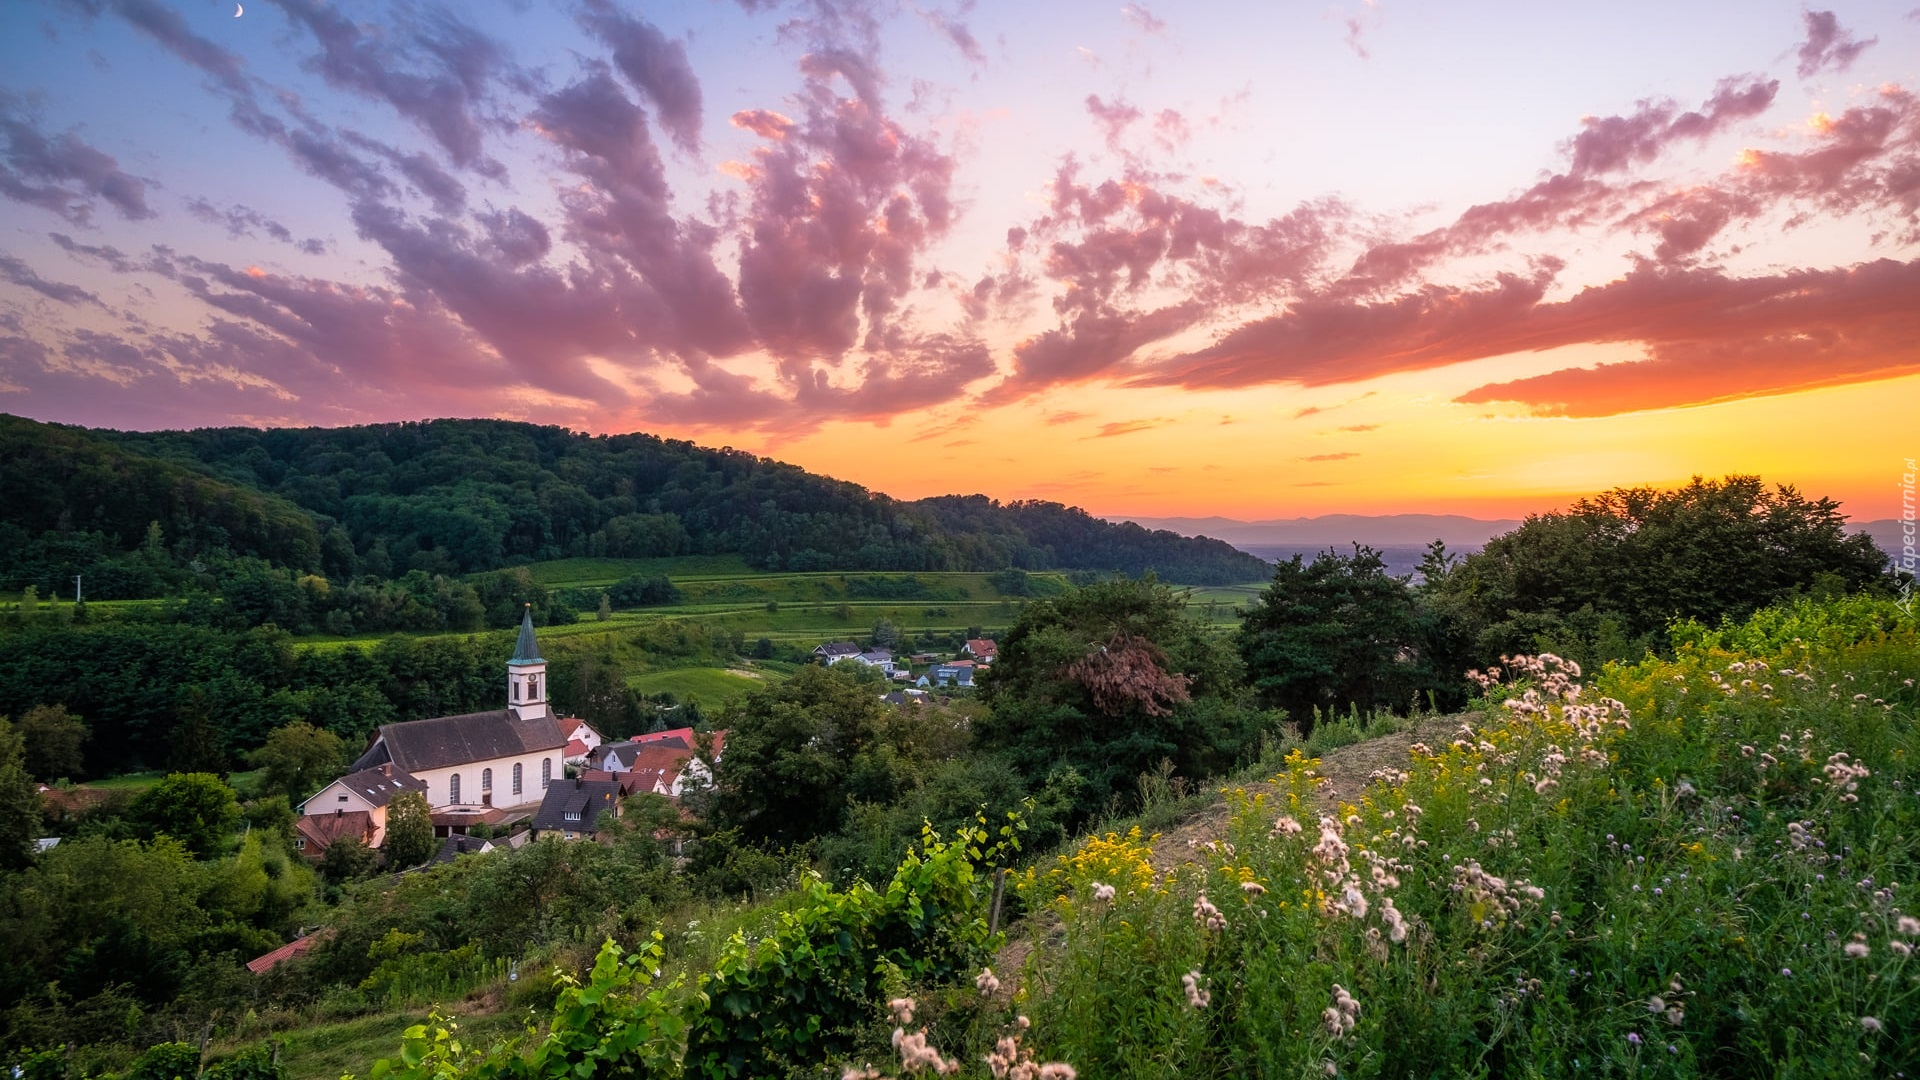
column 76, row 588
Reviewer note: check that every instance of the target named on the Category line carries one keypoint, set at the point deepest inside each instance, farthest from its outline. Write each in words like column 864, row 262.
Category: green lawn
column 242, row 782
column 711, row 687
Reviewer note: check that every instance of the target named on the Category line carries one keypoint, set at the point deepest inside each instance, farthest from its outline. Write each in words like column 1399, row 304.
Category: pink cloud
column 1828, row 46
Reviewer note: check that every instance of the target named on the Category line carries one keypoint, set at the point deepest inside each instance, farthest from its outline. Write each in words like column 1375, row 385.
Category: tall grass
column 1695, row 867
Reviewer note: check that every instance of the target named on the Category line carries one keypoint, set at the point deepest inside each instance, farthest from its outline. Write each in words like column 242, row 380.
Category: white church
column 503, row 758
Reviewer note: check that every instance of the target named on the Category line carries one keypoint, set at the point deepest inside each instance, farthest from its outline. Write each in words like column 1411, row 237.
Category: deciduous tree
column 298, row 758
column 53, row 737
column 409, row 839
column 197, row 809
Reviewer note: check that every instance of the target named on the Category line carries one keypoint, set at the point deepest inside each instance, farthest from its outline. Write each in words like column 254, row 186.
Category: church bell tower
column 527, row 673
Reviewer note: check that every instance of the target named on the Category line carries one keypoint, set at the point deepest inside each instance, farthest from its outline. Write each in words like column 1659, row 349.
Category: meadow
column 794, row 610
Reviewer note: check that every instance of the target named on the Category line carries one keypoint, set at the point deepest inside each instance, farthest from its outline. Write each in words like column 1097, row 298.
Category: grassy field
column 711, row 687
column 242, row 782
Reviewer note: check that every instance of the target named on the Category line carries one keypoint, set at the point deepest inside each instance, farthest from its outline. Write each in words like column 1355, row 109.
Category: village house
column 983, row 650
column 952, row 673
column 577, row 809
column 835, row 651
column 662, row 763
column 354, row 805
column 581, row 738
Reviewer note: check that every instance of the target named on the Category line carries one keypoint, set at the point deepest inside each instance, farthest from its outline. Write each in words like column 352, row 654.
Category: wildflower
column 1872, row 1025
column 1340, row 1016
column 915, row 1054
column 902, row 1010
column 1197, row 996
column 987, row 983
column 1253, row 888
column 1746, row 751
column 1786, row 973
column 1057, row 1070
column 1102, row 893
column 1900, row 947
column 1858, row 947
column 1633, row 1037
column 1207, row 916
column 1908, row 925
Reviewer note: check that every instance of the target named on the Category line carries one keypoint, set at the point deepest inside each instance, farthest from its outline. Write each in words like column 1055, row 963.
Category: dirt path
column 1346, row 771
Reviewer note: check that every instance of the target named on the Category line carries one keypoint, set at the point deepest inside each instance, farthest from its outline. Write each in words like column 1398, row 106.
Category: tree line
column 456, row 497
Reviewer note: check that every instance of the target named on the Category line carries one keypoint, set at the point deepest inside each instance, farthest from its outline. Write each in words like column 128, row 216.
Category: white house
column 506, row 757
column 366, row 791
column 835, row 651
column 581, row 739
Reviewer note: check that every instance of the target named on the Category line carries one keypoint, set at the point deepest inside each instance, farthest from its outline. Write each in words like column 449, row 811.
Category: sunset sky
column 1252, row 259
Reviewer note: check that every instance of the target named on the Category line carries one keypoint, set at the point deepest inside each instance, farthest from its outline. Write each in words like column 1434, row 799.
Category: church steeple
column 527, row 672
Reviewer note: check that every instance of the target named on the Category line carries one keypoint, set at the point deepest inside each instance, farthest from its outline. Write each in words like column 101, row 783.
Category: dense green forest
column 455, row 497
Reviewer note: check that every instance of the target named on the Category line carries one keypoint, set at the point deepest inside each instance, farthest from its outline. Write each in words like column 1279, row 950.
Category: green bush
column 167, row 1061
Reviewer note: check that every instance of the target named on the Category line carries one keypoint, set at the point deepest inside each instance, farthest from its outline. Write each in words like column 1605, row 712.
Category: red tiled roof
column 322, row 830
column 575, row 748
column 260, row 965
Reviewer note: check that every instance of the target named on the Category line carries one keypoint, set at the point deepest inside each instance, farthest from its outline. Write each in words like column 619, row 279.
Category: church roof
column 444, row 741
column 526, row 650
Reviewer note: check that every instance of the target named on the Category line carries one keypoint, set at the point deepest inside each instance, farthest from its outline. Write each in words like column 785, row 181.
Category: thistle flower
column 902, row 1010
column 987, row 983
column 1103, row 892
column 1197, row 995
column 1908, row 925
column 1253, row 888
column 1286, row 826
column 1857, row 948
column 915, row 1054
column 1871, row 1025
column 1207, row 916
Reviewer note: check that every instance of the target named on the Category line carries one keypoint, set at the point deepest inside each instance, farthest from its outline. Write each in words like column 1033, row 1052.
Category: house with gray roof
column 576, row 809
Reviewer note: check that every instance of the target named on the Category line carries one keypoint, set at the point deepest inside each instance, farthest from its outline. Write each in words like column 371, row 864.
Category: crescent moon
column 238, row 11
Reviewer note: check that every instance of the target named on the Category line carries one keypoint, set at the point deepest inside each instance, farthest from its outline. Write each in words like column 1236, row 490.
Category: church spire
column 527, row 673
column 526, row 650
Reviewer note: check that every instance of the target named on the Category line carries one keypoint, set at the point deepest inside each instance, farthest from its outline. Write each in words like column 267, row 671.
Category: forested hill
column 459, row 496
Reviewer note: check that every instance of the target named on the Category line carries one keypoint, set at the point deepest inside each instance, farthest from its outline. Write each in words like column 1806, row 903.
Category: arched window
column 486, row 779
column 516, row 778
column 546, row 771
column 453, row 788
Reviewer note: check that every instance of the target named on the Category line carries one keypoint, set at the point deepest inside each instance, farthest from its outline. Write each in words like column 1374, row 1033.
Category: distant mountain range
column 1339, row 530
column 1394, row 531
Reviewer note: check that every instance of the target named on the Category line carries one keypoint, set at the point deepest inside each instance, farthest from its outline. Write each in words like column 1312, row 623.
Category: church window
column 546, row 771
column 516, row 778
column 533, row 688
column 516, row 689
column 453, row 788
column 486, row 779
